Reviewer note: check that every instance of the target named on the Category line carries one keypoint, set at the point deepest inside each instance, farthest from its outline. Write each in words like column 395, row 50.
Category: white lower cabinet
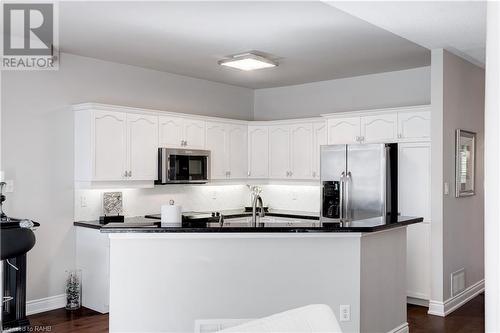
column 418, row 265
column 92, row 257
column 414, row 179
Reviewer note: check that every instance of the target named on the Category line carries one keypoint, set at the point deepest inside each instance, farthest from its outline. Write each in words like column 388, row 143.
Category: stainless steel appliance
column 358, row 182
column 181, row 166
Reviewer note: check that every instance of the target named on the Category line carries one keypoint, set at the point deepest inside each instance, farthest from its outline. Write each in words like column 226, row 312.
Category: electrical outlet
column 83, row 201
column 9, row 187
column 446, row 188
column 345, row 312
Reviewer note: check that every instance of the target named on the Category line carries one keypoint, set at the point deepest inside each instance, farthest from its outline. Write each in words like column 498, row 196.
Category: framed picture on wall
column 465, row 163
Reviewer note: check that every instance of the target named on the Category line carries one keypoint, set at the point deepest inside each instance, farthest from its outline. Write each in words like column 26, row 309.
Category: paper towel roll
column 171, row 215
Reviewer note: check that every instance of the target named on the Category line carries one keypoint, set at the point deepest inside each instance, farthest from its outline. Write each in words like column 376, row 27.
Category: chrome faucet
column 257, row 199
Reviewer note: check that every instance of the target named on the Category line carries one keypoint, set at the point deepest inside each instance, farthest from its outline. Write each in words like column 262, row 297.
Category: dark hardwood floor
column 467, row 319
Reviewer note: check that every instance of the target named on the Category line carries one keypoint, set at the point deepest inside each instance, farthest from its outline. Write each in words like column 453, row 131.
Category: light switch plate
column 446, row 188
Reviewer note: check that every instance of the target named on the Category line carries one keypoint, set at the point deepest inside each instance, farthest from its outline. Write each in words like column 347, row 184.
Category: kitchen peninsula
column 191, row 277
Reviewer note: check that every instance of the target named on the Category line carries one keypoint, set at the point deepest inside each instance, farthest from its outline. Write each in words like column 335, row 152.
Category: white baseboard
column 403, row 328
column 443, row 309
column 45, row 304
column 417, row 301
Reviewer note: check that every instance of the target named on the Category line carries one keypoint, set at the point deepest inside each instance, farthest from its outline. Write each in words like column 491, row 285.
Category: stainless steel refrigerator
column 358, row 181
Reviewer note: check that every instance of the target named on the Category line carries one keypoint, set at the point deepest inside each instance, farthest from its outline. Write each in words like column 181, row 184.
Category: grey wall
column 392, row 89
column 463, row 218
column 457, row 223
column 37, row 141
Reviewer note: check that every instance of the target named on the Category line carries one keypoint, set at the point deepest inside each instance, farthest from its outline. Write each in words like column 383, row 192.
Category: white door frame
column 492, row 170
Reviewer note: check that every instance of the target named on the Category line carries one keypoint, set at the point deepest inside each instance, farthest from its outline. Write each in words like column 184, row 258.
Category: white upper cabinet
column 414, row 125
column 142, row 143
column 115, row 146
column 379, row 128
column 258, row 152
column 194, row 133
column 408, row 124
column 228, row 146
column 319, row 139
column 344, row 130
column 179, row 132
column 301, row 151
column 110, row 146
column 237, row 151
column 171, row 131
column 217, row 142
column 279, row 152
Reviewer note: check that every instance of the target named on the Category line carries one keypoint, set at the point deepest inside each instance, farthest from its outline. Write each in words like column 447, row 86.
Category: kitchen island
column 179, row 279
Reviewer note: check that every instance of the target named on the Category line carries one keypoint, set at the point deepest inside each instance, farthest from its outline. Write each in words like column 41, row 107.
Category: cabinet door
column 379, row 128
column 414, row 125
column 110, row 145
column 414, row 179
column 279, row 152
column 344, row 130
column 418, row 264
column 414, row 200
column 142, row 143
column 216, row 142
column 170, row 131
column 319, row 139
column 301, row 138
column 258, row 152
column 237, row 150
column 194, row 133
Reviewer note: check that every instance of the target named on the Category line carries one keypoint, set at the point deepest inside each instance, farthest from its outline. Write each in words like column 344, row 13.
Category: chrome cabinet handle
column 249, row 173
column 348, row 179
column 341, row 208
column 185, row 143
column 130, row 173
column 291, row 174
column 125, row 174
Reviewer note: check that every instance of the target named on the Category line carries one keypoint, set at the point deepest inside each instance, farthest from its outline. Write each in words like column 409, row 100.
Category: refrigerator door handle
column 341, row 203
column 348, row 180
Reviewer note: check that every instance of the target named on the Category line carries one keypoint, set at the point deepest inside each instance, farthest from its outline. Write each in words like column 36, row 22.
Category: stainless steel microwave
column 183, row 166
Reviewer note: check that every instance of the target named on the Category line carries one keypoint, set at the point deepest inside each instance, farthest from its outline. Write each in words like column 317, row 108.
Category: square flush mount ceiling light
column 248, row 62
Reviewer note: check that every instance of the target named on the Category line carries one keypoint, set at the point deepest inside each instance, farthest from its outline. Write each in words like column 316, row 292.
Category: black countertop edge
column 357, row 226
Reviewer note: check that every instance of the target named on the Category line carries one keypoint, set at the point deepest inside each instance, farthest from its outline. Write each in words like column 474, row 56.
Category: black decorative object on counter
column 111, row 219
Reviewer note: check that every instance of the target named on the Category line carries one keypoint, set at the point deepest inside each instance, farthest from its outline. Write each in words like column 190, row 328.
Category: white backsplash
column 304, row 198
column 139, row 202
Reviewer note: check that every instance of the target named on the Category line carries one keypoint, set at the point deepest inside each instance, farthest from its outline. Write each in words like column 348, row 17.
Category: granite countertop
column 143, row 224
column 236, row 213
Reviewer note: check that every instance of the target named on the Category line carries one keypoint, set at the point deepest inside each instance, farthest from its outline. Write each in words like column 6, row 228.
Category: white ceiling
column 458, row 26
column 313, row 40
